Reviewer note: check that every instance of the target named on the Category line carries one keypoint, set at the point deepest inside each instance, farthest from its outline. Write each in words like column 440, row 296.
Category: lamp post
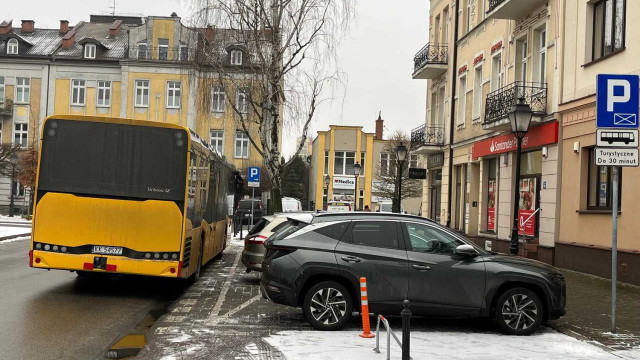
column 356, row 173
column 13, row 159
column 401, row 156
column 327, row 180
column 520, row 118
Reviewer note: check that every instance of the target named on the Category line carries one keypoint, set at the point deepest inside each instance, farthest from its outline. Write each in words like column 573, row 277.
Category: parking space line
column 219, row 319
column 225, row 288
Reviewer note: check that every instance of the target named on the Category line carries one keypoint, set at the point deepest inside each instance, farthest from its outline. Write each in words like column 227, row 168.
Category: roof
column 43, row 41
column 359, row 215
column 114, row 46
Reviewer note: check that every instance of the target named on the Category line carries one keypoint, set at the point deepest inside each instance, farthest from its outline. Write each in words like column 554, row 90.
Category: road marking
column 219, row 319
column 225, row 288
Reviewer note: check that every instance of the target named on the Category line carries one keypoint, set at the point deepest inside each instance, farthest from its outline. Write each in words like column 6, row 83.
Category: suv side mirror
column 466, row 251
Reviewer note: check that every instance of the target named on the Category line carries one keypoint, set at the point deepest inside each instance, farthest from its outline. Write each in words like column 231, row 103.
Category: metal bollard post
column 406, row 328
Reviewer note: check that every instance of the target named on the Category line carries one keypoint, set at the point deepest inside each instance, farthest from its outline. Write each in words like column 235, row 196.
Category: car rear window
column 286, row 228
column 259, row 226
column 244, row 204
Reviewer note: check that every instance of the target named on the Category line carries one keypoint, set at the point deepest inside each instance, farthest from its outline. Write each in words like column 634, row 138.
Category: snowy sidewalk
column 11, row 227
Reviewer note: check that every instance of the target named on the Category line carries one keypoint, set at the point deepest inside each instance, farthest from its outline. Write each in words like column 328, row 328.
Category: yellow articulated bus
column 127, row 197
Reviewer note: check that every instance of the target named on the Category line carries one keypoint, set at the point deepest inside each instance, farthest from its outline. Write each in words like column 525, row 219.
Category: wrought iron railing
column 161, row 53
column 494, row 4
column 431, row 54
column 427, row 135
column 499, row 102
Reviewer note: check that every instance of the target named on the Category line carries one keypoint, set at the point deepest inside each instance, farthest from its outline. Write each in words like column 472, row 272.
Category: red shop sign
column 537, row 136
column 527, row 228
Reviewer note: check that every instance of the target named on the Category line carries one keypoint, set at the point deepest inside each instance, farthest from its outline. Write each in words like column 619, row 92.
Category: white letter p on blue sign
column 611, row 87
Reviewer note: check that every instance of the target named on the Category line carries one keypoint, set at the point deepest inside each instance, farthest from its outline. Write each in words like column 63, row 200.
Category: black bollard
column 406, row 329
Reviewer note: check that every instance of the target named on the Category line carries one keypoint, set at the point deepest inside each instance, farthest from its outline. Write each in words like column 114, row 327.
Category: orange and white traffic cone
column 366, row 327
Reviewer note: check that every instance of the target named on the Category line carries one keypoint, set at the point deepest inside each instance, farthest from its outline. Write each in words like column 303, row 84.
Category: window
column 217, row 141
column 600, row 187
column 361, row 199
column 462, row 100
column 90, row 51
column 174, row 94
column 142, row 93
column 218, row 99
column 362, row 160
column 163, row 49
column 445, row 32
column 521, row 62
column 12, row 47
column 413, row 160
column 20, row 135
column 477, row 93
column 427, row 239
column 22, row 90
column 243, row 101
column 496, row 72
column 387, row 164
column 242, row 145
column 142, row 50
column 343, row 162
column 468, row 23
column 78, row 92
column 326, row 162
column 333, row 231
column 608, row 27
column 104, row 94
column 542, row 54
column 236, row 57
column 183, row 52
column 378, row 234
column 17, row 188
column 1, row 89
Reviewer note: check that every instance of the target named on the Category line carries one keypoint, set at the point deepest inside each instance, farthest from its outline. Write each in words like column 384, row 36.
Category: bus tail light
column 111, row 267
column 179, row 268
column 30, row 258
column 87, row 266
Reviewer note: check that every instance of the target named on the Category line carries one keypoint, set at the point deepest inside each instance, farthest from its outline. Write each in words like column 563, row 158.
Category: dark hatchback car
column 317, row 266
column 243, row 211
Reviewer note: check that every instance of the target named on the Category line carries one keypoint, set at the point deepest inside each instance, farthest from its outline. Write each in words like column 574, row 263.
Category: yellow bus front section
column 72, row 221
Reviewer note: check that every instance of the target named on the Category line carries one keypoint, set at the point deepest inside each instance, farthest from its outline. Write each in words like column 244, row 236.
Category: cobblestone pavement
column 589, row 311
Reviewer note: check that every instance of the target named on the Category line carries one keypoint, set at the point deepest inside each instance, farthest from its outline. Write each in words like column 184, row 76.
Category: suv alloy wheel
column 518, row 311
column 327, row 305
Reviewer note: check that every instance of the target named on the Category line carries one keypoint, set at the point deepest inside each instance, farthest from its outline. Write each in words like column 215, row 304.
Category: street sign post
column 617, row 113
column 253, row 181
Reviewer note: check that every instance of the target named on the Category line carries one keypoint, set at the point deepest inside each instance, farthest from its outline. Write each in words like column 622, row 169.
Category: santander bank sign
column 538, row 136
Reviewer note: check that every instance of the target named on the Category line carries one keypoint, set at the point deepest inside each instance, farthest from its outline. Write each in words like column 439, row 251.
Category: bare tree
column 275, row 60
column 386, row 184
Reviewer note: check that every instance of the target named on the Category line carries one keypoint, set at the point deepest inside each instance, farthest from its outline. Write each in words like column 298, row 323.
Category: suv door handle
column 421, row 267
column 350, row 259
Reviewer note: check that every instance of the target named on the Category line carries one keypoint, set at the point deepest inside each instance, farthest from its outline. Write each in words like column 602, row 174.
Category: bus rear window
column 113, row 160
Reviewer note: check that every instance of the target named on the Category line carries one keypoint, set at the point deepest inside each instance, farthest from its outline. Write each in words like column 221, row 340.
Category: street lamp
column 520, row 118
column 401, row 156
column 356, row 173
column 13, row 159
column 327, row 180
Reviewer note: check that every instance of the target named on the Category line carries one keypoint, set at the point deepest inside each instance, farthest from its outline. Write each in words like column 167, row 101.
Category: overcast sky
column 376, row 56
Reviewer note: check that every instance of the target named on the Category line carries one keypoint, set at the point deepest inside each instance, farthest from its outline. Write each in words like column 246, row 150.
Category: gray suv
column 317, row 266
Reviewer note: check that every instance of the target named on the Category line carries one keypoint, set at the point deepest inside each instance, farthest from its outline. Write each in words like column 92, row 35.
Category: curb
column 10, row 237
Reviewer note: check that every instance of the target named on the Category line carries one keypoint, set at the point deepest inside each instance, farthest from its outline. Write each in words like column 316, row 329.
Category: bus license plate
column 106, row 250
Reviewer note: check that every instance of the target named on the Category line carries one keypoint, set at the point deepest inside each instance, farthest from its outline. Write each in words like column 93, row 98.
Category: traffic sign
column 253, row 178
column 617, row 101
column 617, row 138
column 616, row 157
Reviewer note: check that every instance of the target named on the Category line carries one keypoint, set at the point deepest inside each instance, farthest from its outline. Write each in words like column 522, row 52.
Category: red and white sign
column 491, row 206
column 538, row 136
column 527, row 228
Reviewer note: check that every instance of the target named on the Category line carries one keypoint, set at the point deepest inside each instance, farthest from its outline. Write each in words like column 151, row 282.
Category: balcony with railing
column 512, row 9
column 427, row 139
column 430, row 61
column 160, row 53
column 499, row 103
column 6, row 107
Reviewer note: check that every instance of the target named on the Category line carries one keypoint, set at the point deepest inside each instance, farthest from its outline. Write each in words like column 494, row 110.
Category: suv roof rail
column 367, row 214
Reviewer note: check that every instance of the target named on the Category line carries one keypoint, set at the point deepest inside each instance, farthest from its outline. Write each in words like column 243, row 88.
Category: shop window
column 600, row 185
column 492, row 191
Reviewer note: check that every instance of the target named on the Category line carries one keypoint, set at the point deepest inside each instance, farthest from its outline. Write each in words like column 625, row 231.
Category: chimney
column 115, row 27
column 208, row 33
column 64, row 26
column 379, row 127
column 5, row 27
column 69, row 39
column 27, row 26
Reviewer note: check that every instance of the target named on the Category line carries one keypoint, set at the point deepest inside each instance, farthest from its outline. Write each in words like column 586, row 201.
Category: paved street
column 56, row 315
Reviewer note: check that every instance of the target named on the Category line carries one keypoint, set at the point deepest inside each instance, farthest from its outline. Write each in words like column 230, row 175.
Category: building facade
column 498, row 51
column 130, row 67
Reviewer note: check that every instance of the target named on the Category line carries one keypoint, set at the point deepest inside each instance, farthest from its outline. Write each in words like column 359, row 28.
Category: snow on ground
column 235, row 238
column 13, row 231
column 14, row 219
column 21, row 238
column 545, row 344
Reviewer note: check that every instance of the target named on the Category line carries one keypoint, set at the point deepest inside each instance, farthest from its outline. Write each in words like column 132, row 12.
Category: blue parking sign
column 617, row 98
column 253, row 178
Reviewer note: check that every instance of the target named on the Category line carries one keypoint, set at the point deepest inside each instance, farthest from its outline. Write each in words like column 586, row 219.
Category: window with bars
column 78, row 92
column 142, row 50
column 163, row 49
column 23, row 86
column 343, row 162
column 103, row 94
column 218, row 99
column 142, row 93
column 217, row 141
column 174, row 91
column 20, row 135
column 608, row 27
column 183, row 52
column 241, row 150
column 600, row 182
